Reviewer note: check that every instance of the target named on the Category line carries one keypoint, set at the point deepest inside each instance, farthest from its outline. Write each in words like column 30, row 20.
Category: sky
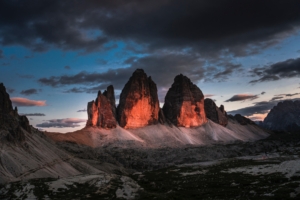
column 55, row 55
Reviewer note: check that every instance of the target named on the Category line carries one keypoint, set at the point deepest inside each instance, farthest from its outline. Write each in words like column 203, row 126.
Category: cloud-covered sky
column 55, row 55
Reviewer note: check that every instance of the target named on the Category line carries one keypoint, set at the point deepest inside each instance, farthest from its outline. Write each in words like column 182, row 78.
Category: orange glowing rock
column 184, row 103
column 139, row 105
column 101, row 111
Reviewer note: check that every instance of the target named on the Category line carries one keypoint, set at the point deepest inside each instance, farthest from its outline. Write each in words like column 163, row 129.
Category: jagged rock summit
column 215, row 114
column 12, row 125
column 102, row 111
column 184, row 103
column 285, row 116
column 139, row 105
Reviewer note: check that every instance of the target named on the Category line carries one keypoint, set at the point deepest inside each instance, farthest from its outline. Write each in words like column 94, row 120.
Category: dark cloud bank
column 61, row 123
column 33, row 114
column 286, row 69
column 29, row 92
column 208, row 27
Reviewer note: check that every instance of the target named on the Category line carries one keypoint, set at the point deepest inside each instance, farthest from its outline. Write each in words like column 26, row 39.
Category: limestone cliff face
column 139, row 105
column 101, row 111
column 217, row 115
column 184, row 103
column 109, row 93
column 12, row 125
column 5, row 102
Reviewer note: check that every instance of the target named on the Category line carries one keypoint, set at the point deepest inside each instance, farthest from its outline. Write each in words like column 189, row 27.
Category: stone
column 100, row 112
column 184, row 103
column 138, row 105
column 284, row 116
column 215, row 114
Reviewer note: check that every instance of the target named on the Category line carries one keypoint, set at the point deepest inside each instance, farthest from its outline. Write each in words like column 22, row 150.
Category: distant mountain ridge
column 285, row 116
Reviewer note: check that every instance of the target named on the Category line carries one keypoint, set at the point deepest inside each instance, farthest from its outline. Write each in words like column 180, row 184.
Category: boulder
column 217, row 115
column 184, row 103
column 101, row 112
column 138, row 105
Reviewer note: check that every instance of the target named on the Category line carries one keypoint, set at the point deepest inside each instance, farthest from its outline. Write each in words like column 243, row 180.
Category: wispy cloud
column 83, row 110
column 280, row 70
column 29, row 92
column 19, row 101
column 62, row 123
column 33, row 114
column 242, row 97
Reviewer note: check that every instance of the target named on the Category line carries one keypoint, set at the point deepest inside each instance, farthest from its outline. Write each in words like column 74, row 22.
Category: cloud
column 29, row 56
column 208, row 27
column 157, row 66
column 208, row 95
column 18, row 101
column 277, row 71
column 33, row 114
column 229, row 69
column 1, row 54
column 83, row 110
column 258, row 108
column 26, row 76
column 5, row 64
column 276, row 98
column 61, row 123
column 261, row 107
column 11, row 90
column 290, row 95
column 67, row 67
column 29, row 92
column 242, row 97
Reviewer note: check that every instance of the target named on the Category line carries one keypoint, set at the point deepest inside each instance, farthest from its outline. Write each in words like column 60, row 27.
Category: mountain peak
column 184, row 103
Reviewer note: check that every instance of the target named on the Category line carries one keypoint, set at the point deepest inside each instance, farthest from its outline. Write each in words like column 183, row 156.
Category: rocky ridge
column 12, row 125
column 217, row 115
column 101, row 112
column 285, row 116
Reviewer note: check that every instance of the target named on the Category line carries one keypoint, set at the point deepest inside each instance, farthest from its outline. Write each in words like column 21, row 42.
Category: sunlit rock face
column 101, row 111
column 184, row 103
column 217, row 115
column 139, row 105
